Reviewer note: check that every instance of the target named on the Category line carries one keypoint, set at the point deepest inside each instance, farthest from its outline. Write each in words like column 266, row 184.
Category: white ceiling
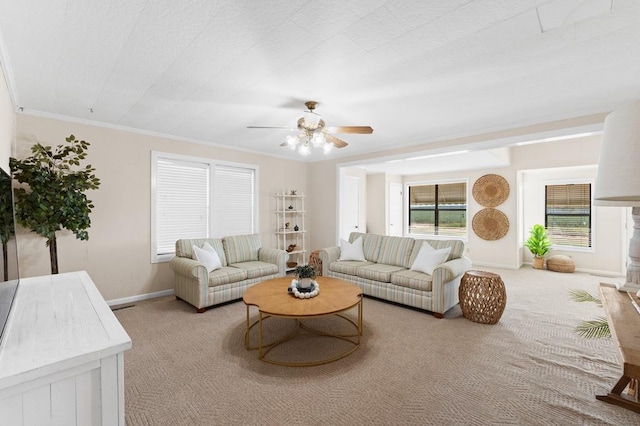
column 416, row 71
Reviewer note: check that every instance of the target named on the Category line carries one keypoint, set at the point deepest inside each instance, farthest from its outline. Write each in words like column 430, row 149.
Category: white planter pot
column 304, row 282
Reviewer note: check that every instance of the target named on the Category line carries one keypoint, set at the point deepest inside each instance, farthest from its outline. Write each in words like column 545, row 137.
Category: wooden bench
column 624, row 322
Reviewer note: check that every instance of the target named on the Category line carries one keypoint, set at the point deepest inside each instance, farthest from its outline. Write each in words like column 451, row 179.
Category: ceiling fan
column 312, row 132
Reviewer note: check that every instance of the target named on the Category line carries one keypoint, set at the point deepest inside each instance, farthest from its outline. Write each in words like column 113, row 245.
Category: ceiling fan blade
column 338, row 143
column 266, row 127
column 363, row 130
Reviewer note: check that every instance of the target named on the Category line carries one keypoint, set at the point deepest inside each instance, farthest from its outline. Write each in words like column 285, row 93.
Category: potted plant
column 305, row 274
column 539, row 244
column 52, row 192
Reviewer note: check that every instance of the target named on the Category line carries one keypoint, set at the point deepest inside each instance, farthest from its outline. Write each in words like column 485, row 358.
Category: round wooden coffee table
column 273, row 300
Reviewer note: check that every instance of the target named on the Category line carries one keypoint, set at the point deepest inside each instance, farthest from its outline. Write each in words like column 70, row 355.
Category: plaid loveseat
column 386, row 271
column 244, row 263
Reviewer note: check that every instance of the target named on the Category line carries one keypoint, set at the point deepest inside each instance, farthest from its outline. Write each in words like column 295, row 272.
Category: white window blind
column 196, row 197
column 182, row 202
column 233, row 202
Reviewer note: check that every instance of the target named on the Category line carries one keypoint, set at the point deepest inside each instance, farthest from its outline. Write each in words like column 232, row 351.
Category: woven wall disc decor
column 490, row 190
column 490, row 224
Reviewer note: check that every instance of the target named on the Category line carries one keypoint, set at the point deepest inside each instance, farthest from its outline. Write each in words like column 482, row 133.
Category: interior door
column 349, row 206
column 395, row 209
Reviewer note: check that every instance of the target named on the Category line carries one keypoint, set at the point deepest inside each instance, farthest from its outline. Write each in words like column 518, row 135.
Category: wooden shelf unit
column 291, row 209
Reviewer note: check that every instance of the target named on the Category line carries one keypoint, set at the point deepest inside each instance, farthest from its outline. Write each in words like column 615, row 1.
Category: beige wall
column 117, row 254
column 7, row 124
column 377, row 203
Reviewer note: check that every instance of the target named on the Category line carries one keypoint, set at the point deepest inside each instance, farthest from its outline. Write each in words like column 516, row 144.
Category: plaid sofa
column 244, row 263
column 385, row 273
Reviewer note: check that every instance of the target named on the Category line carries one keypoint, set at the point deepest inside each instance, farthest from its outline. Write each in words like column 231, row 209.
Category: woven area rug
column 411, row 368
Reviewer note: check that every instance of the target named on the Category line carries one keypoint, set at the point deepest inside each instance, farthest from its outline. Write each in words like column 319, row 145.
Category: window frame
column 592, row 210
column 211, row 164
column 407, row 222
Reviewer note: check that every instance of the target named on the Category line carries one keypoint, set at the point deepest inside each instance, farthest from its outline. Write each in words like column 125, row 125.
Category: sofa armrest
column 454, row 268
column 188, row 268
column 190, row 281
column 328, row 255
column 445, row 283
column 276, row 256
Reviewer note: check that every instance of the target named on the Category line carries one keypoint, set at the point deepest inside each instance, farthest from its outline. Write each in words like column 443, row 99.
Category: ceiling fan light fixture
column 327, row 147
column 311, row 120
column 318, row 140
column 304, row 149
column 292, row 141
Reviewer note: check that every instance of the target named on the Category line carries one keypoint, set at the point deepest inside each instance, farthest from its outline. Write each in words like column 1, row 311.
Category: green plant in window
column 539, row 242
column 52, row 197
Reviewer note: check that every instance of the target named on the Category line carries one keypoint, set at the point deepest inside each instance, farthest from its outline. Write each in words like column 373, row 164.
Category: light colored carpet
column 529, row 369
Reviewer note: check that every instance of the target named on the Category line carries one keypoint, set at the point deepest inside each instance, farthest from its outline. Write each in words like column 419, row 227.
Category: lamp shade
column 618, row 180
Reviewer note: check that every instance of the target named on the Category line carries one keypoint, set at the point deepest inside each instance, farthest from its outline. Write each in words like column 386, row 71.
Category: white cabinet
column 61, row 356
column 290, row 227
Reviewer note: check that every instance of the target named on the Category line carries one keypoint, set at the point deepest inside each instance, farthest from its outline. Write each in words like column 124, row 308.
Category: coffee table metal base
column 301, row 330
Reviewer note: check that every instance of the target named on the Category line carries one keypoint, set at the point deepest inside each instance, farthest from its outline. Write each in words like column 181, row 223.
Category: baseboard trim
column 596, row 272
column 139, row 297
column 494, row 265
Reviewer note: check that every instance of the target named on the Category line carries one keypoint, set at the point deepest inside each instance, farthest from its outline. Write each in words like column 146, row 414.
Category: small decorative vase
column 295, row 228
column 538, row 263
column 304, row 282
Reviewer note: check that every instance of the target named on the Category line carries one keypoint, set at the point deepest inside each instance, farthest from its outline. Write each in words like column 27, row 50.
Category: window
column 199, row 198
column 438, row 209
column 568, row 214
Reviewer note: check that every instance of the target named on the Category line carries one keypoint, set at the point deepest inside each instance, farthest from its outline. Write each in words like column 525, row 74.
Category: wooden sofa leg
column 438, row 315
column 201, row 310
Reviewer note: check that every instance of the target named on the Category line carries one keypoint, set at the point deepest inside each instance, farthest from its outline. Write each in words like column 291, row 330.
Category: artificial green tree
column 54, row 196
column 7, row 228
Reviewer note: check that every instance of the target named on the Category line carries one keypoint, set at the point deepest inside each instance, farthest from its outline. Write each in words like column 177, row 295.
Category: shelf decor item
column 538, row 244
column 490, row 190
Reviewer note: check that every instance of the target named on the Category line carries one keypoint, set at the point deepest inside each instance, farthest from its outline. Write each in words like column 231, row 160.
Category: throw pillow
column 351, row 251
column 428, row 258
column 207, row 256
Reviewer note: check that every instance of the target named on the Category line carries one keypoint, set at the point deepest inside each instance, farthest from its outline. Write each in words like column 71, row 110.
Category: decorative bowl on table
column 292, row 264
column 303, row 293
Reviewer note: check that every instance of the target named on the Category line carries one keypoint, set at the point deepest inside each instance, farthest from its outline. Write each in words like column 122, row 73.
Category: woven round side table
column 482, row 296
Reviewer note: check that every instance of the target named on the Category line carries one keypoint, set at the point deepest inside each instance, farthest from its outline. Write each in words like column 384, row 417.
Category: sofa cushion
column 412, row 279
column 256, row 269
column 370, row 244
column 428, row 258
column 351, row 251
column 347, row 267
column 226, row 275
column 395, row 251
column 207, row 256
column 241, row 248
column 184, row 248
column 378, row 272
column 457, row 248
